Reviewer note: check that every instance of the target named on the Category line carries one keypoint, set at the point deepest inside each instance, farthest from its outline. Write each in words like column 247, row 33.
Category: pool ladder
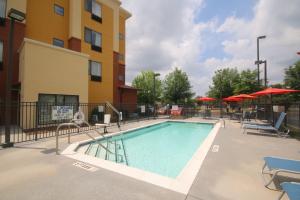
column 112, row 148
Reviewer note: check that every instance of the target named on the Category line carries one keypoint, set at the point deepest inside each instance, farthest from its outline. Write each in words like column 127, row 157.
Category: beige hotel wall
column 48, row 69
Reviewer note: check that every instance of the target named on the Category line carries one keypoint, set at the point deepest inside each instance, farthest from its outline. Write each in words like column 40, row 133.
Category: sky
column 202, row 36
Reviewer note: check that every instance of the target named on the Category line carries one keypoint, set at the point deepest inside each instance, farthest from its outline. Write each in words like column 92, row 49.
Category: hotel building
column 66, row 51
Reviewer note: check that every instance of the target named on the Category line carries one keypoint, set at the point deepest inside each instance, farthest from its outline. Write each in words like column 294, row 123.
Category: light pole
column 17, row 15
column 265, row 71
column 257, row 61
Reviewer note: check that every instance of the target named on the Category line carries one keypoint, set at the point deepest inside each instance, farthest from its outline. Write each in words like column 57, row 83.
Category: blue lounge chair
column 260, row 123
column 292, row 190
column 275, row 165
column 266, row 127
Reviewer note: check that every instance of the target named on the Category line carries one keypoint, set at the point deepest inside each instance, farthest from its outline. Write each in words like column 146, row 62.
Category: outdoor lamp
column 257, row 62
column 261, row 37
column 16, row 15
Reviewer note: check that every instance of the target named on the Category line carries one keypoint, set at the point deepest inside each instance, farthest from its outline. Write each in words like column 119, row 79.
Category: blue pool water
column 164, row 148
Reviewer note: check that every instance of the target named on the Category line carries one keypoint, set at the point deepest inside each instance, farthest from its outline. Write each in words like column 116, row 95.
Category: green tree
column 292, row 76
column 177, row 87
column 145, row 83
column 292, row 80
column 247, row 82
column 224, row 82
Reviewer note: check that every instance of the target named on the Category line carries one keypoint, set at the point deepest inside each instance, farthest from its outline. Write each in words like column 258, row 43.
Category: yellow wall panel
column 100, row 91
column 43, row 24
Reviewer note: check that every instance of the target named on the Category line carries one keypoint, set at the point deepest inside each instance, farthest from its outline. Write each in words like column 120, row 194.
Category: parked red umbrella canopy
column 244, row 96
column 273, row 91
column 232, row 99
column 206, row 99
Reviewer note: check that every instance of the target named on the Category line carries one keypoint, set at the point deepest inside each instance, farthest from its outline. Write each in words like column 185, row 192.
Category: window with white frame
column 95, row 9
column 94, row 38
column 121, row 78
column 59, row 10
column 95, row 69
column 2, row 8
column 121, row 58
column 121, row 36
column 58, row 42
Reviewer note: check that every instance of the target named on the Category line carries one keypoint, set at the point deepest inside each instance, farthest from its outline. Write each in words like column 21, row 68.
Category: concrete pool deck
column 33, row 171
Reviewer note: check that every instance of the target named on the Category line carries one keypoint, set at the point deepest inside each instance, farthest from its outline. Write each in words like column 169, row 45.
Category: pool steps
column 95, row 149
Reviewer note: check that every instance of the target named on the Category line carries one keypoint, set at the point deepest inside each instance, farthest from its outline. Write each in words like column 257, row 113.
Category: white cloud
column 279, row 21
column 165, row 34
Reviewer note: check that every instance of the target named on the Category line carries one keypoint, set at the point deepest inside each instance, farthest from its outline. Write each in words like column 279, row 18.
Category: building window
column 95, row 70
column 58, row 42
column 1, row 55
column 2, row 12
column 94, row 38
column 121, row 36
column 121, row 77
column 121, row 58
column 59, row 10
column 95, row 9
column 47, row 102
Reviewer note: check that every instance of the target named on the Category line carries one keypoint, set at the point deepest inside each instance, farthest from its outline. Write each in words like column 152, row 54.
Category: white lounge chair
column 105, row 124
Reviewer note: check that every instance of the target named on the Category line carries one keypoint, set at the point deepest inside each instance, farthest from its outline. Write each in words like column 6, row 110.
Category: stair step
column 101, row 151
column 93, row 149
column 116, row 147
column 83, row 149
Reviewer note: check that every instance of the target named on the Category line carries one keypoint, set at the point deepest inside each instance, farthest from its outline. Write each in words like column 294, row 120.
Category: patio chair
column 275, row 165
column 105, row 124
column 292, row 189
column 176, row 111
column 268, row 127
column 262, row 123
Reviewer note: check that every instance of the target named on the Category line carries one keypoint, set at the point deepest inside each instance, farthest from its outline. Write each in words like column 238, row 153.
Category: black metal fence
column 33, row 120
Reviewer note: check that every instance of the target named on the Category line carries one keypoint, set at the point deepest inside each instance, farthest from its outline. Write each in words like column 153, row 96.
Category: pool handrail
column 72, row 123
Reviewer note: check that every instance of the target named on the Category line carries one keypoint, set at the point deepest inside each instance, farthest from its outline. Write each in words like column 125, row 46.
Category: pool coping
column 181, row 184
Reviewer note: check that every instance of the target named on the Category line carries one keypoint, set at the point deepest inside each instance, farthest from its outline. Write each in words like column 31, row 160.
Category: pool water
column 163, row 148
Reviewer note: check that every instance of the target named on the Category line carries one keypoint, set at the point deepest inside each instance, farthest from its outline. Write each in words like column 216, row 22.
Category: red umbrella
column 271, row 91
column 244, row 96
column 232, row 99
column 206, row 99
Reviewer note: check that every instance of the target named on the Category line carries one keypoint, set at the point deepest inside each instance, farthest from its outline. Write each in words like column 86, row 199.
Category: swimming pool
column 163, row 148
column 165, row 153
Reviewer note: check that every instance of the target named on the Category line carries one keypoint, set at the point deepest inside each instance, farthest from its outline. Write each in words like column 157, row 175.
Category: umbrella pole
column 272, row 109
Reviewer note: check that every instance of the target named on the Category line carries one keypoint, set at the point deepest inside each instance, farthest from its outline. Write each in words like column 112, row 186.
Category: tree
column 145, row 83
column 177, row 87
column 224, row 82
column 292, row 79
column 292, row 76
column 247, row 82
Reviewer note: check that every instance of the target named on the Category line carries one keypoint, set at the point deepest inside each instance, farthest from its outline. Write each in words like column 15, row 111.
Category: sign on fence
column 100, row 108
column 62, row 112
column 143, row 109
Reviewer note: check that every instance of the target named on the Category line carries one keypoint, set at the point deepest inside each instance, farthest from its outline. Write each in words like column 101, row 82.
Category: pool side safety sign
column 85, row 166
column 215, row 148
